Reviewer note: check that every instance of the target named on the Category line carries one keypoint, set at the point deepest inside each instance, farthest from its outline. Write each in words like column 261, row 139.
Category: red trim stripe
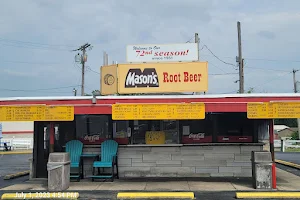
column 17, row 132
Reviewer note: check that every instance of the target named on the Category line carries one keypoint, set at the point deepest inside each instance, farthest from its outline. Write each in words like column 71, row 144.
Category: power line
column 33, row 90
column 31, row 63
column 222, row 74
column 204, row 46
column 272, row 80
column 190, row 39
column 35, row 47
column 34, row 43
column 278, row 70
column 88, row 68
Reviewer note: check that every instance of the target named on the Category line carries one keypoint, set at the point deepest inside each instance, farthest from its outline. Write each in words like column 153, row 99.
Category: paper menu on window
column 185, row 130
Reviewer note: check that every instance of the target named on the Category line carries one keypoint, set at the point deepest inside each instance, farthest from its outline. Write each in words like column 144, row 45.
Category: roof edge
column 207, row 96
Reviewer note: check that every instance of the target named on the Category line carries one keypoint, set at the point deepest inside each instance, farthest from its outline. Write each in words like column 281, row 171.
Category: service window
column 234, row 127
column 93, row 129
column 155, row 132
column 171, row 130
column 143, row 130
column 121, row 131
column 195, row 131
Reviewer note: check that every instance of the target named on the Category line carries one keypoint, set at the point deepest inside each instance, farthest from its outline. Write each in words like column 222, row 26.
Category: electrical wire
column 88, row 68
column 34, row 43
column 190, row 39
column 34, row 90
column 227, row 63
column 31, row 63
column 272, row 80
column 277, row 70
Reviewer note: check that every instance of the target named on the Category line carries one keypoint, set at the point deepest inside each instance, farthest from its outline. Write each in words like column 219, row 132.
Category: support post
column 51, row 137
column 271, row 138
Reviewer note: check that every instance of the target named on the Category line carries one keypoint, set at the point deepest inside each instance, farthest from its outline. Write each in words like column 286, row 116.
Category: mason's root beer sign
column 138, row 78
column 162, row 77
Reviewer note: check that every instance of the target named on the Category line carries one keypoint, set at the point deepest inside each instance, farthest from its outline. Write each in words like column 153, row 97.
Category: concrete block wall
column 186, row 161
column 182, row 161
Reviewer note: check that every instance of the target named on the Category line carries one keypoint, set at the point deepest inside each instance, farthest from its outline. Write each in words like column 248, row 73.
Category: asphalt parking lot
column 13, row 163
column 293, row 157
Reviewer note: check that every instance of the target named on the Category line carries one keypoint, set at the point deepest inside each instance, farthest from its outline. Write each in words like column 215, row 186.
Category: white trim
column 153, row 97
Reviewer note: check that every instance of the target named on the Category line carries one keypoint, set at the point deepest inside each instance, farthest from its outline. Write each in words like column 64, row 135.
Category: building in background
column 283, row 131
column 17, row 130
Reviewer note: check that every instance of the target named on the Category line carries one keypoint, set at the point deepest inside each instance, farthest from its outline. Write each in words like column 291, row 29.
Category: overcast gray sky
column 36, row 37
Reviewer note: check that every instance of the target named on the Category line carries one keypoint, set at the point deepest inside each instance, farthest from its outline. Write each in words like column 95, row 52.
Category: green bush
column 295, row 136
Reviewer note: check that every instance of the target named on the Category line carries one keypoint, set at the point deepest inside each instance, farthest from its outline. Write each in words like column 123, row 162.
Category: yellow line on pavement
column 141, row 195
column 245, row 195
column 15, row 152
column 15, row 175
column 287, row 163
column 41, row 195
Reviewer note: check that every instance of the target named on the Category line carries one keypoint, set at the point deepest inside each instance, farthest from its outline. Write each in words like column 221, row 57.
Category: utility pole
column 294, row 80
column 83, row 60
column 240, row 59
column 197, row 41
column 296, row 91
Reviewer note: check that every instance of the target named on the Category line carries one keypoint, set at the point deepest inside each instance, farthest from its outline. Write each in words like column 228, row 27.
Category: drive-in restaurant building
column 158, row 135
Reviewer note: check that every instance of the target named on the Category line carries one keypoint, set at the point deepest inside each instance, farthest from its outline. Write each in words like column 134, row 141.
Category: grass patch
column 289, row 149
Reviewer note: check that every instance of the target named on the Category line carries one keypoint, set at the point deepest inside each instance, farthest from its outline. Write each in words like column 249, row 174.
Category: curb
column 289, row 164
column 156, row 195
column 15, row 152
column 16, row 175
column 247, row 195
column 41, row 195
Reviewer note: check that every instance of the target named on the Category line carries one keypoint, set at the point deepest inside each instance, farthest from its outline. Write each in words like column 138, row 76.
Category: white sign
column 162, row 53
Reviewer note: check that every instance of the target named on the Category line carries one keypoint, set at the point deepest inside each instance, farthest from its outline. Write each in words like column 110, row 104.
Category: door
column 40, row 150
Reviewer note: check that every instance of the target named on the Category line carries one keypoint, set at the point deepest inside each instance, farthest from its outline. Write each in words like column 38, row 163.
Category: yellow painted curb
column 18, row 174
column 141, row 195
column 15, row 152
column 41, row 195
column 287, row 163
column 246, row 195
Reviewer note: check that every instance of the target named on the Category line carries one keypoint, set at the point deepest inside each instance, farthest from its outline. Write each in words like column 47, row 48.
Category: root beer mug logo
column 162, row 77
column 138, row 78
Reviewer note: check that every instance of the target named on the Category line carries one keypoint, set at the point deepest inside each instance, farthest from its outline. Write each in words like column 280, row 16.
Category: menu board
column 287, row 110
column 59, row 113
column 259, row 111
column 22, row 113
column 273, row 110
column 36, row 113
column 158, row 111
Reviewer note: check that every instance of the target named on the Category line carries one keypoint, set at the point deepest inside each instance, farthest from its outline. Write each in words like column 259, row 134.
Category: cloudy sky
column 37, row 36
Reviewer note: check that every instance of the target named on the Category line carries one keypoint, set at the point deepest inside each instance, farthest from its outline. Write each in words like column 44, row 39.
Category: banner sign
column 162, row 77
column 184, row 52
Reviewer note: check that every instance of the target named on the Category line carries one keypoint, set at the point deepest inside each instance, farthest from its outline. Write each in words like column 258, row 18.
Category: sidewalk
column 285, row 182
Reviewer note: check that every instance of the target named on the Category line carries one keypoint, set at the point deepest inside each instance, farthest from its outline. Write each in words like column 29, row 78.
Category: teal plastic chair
column 74, row 148
column 109, row 159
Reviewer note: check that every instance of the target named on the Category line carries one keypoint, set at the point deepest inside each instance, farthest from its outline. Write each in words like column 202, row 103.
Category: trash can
column 58, row 167
column 261, row 169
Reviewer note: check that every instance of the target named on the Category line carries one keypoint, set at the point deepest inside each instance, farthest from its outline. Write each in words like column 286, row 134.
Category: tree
column 287, row 122
column 250, row 90
column 295, row 136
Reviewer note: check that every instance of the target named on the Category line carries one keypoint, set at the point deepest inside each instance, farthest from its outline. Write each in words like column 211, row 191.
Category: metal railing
column 18, row 143
column 283, row 144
